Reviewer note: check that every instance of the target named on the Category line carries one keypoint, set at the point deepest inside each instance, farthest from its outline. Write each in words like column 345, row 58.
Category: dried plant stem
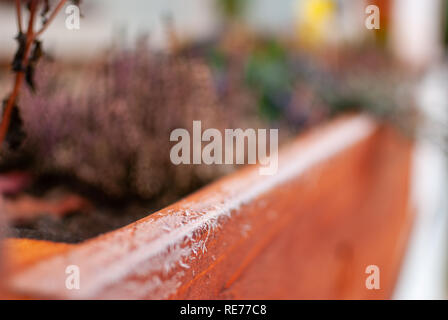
column 30, row 37
column 51, row 18
column 19, row 15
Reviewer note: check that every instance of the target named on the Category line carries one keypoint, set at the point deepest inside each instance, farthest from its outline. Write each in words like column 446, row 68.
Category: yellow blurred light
column 313, row 20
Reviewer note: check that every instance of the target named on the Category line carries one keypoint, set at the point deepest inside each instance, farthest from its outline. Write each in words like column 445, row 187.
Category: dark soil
column 77, row 226
column 105, row 213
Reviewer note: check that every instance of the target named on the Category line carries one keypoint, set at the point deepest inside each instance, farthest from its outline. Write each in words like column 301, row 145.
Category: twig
column 30, row 37
column 6, row 119
column 51, row 18
column 19, row 15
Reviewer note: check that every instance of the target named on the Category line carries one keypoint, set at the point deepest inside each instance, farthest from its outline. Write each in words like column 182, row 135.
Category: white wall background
column 105, row 19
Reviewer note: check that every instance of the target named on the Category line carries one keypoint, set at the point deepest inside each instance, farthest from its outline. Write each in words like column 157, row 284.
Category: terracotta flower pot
column 338, row 204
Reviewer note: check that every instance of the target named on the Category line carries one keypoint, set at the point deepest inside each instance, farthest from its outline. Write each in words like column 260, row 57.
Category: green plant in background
column 232, row 9
column 268, row 74
column 217, row 59
column 359, row 94
column 218, row 62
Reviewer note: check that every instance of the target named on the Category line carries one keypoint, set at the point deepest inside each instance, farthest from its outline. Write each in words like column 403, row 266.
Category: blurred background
column 137, row 69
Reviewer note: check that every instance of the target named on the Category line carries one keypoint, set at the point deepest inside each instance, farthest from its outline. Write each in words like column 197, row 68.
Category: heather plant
column 110, row 126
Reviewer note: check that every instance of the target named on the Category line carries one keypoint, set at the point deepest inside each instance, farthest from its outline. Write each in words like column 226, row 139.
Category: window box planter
column 339, row 203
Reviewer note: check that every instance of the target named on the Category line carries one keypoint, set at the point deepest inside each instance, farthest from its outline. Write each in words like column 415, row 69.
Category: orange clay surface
column 308, row 235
